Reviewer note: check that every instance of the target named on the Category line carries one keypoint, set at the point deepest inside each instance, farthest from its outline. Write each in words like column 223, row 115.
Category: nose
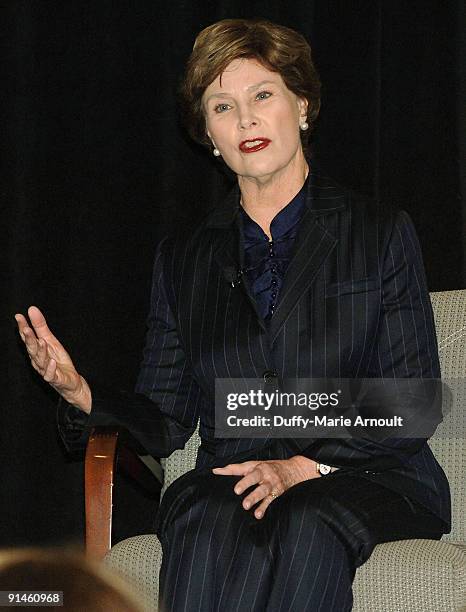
column 245, row 123
column 246, row 118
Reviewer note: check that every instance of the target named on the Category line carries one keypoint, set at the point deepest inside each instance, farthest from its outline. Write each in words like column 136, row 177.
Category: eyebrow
column 250, row 88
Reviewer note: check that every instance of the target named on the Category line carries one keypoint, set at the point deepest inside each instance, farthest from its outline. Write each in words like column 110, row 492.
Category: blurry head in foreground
column 86, row 585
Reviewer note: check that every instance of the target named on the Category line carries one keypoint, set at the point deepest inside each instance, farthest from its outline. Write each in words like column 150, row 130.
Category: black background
column 96, row 168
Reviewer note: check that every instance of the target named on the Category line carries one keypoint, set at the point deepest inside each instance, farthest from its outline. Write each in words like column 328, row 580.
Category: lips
column 253, row 145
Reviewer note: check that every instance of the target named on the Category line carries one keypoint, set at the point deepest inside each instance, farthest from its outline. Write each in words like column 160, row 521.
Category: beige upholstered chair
column 411, row 575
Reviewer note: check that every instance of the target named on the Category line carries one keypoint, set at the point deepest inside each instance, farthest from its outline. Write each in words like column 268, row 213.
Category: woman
column 291, row 276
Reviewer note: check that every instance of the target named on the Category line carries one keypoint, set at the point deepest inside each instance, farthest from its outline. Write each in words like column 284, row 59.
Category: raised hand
column 51, row 360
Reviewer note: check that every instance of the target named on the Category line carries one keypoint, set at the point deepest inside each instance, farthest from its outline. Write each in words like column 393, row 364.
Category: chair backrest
column 448, row 443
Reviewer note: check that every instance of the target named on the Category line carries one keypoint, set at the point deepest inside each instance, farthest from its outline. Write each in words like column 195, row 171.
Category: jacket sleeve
column 406, row 347
column 162, row 414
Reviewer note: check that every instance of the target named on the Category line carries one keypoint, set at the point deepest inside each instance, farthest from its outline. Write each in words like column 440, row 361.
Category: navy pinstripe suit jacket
column 354, row 303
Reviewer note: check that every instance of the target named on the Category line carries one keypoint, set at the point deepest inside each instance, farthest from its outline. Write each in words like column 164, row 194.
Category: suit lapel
column 226, row 251
column 313, row 245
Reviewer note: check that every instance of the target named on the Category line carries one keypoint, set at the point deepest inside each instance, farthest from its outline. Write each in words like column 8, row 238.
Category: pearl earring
column 216, row 152
column 304, row 126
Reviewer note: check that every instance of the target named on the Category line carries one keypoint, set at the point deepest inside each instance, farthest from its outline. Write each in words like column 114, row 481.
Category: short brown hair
column 276, row 47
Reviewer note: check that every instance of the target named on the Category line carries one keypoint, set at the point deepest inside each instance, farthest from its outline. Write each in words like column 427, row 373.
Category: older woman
column 291, row 276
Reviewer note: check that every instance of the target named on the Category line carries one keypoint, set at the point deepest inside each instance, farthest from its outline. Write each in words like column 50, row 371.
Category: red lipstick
column 260, row 143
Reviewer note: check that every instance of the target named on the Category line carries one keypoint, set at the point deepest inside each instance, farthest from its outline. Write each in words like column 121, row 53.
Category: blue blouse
column 266, row 261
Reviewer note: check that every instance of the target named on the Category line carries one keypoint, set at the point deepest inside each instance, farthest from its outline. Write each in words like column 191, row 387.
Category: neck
column 263, row 198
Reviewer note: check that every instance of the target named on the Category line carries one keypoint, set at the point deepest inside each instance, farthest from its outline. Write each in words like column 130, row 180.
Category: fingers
column 41, row 352
column 39, row 323
column 260, row 510
column 38, row 354
column 265, row 487
column 38, row 329
column 260, row 494
column 264, row 475
column 236, row 469
column 50, row 359
column 37, row 349
column 41, row 357
column 259, row 474
column 263, row 494
column 50, row 373
column 22, row 324
column 30, row 340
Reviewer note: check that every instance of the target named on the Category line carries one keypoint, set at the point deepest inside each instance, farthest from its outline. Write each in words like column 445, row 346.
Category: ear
column 211, row 139
column 302, row 105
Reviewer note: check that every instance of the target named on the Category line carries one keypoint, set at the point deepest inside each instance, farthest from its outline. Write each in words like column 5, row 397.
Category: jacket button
column 270, row 376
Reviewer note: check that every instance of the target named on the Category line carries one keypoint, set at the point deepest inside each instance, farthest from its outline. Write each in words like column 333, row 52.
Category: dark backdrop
column 95, row 168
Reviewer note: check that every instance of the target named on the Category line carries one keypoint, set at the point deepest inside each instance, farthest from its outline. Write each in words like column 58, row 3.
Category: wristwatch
column 324, row 469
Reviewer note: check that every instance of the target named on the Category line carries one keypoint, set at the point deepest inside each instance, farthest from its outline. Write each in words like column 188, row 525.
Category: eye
column 221, row 108
column 263, row 95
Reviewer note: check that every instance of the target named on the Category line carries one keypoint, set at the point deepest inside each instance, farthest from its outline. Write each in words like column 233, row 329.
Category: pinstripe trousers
column 301, row 556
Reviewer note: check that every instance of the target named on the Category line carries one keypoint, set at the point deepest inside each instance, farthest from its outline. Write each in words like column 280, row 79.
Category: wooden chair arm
column 105, row 453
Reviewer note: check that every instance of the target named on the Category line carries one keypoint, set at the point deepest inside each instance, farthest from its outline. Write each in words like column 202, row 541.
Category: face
column 253, row 119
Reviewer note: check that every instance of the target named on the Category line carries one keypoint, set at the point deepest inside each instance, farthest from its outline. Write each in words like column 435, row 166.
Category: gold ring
column 274, row 495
